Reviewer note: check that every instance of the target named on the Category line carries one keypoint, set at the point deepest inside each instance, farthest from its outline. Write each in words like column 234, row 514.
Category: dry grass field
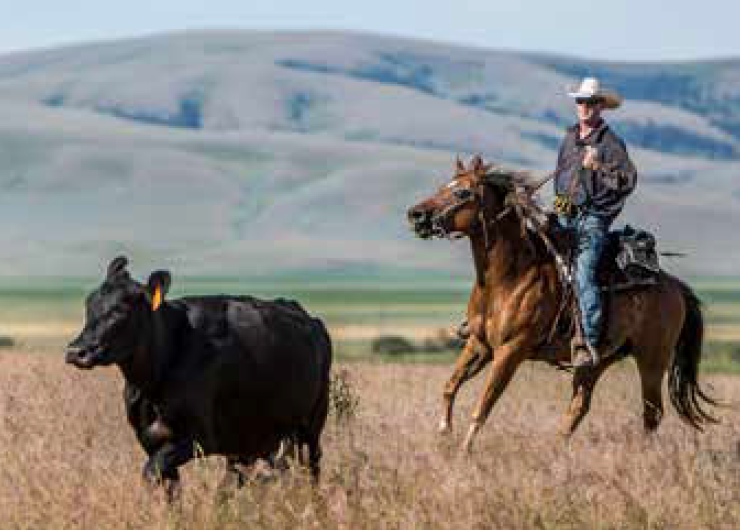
column 68, row 460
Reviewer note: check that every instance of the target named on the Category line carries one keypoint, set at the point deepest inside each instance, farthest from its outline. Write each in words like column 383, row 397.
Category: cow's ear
column 158, row 286
column 117, row 266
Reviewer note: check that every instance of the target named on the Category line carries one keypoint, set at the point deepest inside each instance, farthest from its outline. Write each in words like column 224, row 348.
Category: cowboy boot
column 583, row 354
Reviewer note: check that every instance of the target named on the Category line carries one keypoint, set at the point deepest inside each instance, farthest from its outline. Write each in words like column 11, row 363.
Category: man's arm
column 615, row 168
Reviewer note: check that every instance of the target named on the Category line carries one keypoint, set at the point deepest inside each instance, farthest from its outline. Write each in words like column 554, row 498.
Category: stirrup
column 463, row 330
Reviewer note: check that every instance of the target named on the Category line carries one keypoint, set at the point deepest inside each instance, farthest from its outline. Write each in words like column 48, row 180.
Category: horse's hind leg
column 651, row 379
column 584, row 382
column 474, row 357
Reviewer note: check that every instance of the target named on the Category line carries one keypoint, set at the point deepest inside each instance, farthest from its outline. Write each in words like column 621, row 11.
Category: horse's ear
column 459, row 164
column 477, row 163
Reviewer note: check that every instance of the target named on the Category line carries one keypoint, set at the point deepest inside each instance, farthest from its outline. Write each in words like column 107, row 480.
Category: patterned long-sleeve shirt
column 601, row 192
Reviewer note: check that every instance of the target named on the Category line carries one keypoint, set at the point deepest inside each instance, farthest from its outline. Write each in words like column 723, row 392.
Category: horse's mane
column 518, row 187
column 509, row 180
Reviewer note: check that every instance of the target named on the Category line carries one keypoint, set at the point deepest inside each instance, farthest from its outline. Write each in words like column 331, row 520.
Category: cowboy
column 594, row 176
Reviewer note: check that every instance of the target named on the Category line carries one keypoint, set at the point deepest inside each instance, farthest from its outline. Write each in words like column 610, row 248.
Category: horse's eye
column 463, row 194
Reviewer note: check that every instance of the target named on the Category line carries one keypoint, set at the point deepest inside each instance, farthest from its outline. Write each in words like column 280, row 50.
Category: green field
column 43, row 314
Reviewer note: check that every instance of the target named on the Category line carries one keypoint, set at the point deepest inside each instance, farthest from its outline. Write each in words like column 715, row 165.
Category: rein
column 451, row 208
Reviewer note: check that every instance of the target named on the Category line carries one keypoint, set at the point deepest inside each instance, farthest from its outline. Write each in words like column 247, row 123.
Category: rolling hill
column 239, row 152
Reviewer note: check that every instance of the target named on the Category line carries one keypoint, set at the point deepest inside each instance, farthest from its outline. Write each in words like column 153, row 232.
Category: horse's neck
column 506, row 259
column 508, row 264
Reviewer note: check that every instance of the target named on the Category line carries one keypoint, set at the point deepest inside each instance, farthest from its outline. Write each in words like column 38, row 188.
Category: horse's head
column 459, row 207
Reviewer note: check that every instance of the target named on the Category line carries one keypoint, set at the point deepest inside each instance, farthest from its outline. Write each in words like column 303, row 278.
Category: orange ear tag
column 157, row 298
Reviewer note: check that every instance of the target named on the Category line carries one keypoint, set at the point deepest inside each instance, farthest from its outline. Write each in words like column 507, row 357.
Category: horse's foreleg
column 472, row 359
column 507, row 360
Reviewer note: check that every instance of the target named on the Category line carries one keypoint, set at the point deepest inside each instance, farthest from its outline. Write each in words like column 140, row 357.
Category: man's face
column 589, row 109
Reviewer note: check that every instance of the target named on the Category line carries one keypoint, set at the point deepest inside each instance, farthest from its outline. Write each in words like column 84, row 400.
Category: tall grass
column 69, row 460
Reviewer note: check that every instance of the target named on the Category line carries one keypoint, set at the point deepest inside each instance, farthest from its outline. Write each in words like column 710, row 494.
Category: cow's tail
column 687, row 396
column 321, row 409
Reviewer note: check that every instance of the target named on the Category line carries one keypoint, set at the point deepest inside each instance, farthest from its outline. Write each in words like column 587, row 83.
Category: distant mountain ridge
column 687, row 108
column 195, row 148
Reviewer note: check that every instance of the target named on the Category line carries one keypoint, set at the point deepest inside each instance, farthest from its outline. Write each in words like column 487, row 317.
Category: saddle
column 630, row 259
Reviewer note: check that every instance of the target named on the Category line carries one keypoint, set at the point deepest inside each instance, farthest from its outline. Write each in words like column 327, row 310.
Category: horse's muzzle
column 421, row 222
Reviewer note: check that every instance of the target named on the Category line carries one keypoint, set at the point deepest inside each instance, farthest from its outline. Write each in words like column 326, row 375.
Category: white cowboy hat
column 591, row 88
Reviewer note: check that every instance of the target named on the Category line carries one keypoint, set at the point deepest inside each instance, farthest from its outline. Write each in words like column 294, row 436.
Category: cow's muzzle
column 84, row 358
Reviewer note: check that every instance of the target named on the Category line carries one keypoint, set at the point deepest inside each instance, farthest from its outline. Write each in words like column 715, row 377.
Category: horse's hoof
column 467, row 446
column 444, row 428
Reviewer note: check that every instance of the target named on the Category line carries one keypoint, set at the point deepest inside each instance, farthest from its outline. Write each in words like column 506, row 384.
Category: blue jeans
column 591, row 233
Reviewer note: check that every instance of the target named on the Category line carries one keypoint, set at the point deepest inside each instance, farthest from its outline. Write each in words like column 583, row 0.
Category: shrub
column 443, row 341
column 391, row 345
column 343, row 400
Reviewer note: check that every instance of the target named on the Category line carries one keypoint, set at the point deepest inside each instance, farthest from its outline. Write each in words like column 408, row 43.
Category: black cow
column 226, row 375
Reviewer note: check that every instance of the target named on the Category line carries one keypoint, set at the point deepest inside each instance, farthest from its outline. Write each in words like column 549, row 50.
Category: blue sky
column 619, row 29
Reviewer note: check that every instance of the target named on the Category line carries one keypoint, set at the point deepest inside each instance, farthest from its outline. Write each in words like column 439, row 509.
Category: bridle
column 460, row 197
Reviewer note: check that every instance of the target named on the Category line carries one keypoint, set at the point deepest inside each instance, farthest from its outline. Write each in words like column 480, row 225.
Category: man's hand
column 590, row 160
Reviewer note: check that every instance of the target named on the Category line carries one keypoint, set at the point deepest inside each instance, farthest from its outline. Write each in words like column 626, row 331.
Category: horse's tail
column 686, row 395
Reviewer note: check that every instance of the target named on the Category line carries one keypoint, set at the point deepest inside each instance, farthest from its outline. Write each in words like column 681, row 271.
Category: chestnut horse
column 515, row 304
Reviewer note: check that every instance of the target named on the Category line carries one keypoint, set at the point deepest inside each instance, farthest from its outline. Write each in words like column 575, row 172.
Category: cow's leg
column 472, row 359
column 504, row 365
column 233, row 479
column 286, row 451
column 313, row 434
column 314, row 457
column 162, row 466
column 234, row 475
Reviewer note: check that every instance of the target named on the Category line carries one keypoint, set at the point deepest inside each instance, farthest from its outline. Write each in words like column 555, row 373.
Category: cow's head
column 116, row 315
